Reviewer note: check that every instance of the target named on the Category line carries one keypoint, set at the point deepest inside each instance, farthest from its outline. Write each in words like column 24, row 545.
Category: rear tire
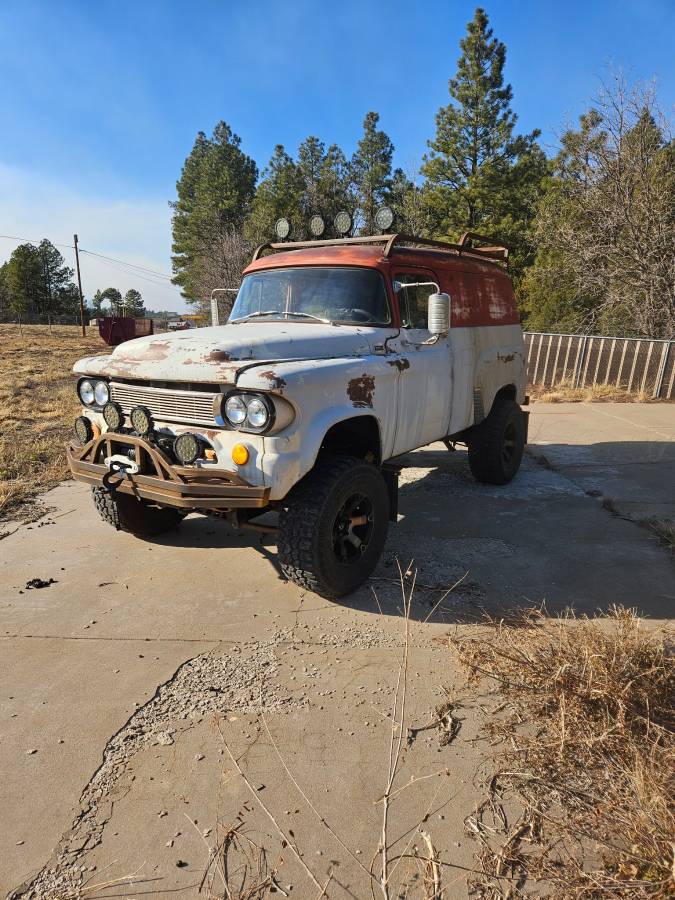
column 333, row 526
column 496, row 445
column 126, row 513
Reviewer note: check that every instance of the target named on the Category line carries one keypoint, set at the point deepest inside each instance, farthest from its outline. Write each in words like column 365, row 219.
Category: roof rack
column 495, row 251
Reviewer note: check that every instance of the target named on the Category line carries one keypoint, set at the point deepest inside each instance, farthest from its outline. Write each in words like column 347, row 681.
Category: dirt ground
column 129, row 680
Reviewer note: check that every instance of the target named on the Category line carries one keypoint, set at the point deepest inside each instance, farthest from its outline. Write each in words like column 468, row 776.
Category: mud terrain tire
column 320, row 547
column 496, row 445
column 126, row 513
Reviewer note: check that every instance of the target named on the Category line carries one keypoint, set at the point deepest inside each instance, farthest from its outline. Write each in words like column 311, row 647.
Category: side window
column 414, row 301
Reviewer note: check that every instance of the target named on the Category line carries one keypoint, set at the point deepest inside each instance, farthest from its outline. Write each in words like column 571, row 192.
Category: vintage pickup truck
column 338, row 357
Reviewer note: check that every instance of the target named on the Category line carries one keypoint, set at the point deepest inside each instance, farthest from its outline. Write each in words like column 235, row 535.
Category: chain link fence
column 637, row 365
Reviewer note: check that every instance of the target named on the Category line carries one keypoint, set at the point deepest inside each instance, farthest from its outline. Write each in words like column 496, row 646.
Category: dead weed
column 37, row 407
column 581, row 799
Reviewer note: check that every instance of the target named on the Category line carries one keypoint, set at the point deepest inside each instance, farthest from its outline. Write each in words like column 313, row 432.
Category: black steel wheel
column 496, row 445
column 333, row 526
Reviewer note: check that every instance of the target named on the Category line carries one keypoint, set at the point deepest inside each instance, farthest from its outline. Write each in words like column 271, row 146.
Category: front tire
column 496, row 445
column 126, row 513
column 333, row 526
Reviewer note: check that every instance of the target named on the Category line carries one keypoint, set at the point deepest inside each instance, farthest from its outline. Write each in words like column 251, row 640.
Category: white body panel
column 415, row 393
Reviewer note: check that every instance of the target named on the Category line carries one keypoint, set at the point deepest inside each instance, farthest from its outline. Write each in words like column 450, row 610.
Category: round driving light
column 187, row 448
column 257, row 413
column 235, row 410
column 113, row 415
column 282, row 229
column 317, row 226
column 240, row 454
column 83, row 430
column 141, row 420
column 343, row 222
column 384, row 218
column 86, row 390
column 101, row 393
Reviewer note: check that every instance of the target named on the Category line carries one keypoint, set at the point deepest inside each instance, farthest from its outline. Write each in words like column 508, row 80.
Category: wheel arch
column 356, row 436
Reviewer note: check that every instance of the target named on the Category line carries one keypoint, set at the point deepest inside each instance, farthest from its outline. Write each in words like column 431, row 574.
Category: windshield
column 338, row 294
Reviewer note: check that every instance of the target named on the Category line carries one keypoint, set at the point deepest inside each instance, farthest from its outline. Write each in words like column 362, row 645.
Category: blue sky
column 100, row 102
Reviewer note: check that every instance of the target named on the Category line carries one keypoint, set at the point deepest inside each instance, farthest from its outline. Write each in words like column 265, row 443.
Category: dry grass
column 664, row 529
column 37, row 407
column 565, row 392
column 581, row 802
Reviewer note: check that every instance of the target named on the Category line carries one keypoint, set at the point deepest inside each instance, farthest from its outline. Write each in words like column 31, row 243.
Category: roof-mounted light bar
column 496, row 251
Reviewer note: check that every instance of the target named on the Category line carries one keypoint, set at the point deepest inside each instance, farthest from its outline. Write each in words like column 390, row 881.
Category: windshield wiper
column 305, row 315
column 253, row 315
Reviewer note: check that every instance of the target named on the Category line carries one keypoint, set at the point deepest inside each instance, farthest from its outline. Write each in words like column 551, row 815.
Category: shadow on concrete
column 543, row 539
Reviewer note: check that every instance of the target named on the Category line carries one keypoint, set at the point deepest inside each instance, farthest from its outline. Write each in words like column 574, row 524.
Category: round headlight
column 141, row 420
column 283, row 229
column 113, row 415
column 87, row 392
column 235, row 410
column 187, row 448
column 343, row 222
column 258, row 413
column 101, row 393
column 83, row 430
column 384, row 218
column 317, row 226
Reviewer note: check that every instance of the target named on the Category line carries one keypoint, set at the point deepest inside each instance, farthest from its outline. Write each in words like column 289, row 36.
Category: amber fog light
column 83, row 430
column 187, row 448
column 240, row 454
column 141, row 420
column 113, row 415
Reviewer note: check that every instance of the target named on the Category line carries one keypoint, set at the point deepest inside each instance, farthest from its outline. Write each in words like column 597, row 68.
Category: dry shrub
column 664, row 529
column 565, row 392
column 581, row 800
column 38, row 404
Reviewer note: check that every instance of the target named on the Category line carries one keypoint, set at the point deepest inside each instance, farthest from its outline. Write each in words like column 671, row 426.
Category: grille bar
column 194, row 407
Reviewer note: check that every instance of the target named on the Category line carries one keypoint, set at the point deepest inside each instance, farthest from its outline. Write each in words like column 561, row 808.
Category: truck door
column 425, row 380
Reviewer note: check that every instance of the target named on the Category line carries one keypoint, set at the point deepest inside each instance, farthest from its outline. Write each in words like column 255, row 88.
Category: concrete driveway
column 126, row 683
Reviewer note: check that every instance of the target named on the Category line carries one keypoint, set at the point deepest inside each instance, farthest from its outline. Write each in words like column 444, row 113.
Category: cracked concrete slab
column 101, row 659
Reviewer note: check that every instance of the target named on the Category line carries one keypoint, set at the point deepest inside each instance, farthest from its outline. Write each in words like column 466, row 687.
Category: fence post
column 658, row 386
column 579, row 363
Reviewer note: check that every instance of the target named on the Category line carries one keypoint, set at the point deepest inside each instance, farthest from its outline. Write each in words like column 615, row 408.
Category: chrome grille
column 166, row 405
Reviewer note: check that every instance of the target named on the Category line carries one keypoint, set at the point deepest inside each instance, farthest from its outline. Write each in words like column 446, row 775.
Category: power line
column 11, row 237
column 129, row 268
column 125, row 263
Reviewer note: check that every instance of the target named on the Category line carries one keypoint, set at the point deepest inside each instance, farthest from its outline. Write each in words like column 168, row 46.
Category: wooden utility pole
column 79, row 284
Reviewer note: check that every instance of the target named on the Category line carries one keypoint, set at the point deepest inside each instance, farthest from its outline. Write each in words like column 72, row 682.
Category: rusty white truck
column 338, row 357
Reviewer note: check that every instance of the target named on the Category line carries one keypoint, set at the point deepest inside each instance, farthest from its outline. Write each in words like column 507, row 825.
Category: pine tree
column 279, row 195
column 214, row 191
column 23, row 278
column 371, row 172
column 133, row 303
column 114, row 297
column 480, row 175
column 56, row 279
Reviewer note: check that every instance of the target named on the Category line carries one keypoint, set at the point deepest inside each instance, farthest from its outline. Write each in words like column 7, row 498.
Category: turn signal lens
column 240, row 454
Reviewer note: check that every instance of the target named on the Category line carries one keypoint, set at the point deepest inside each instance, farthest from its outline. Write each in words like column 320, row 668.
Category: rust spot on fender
column 218, row 356
column 400, row 364
column 360, row 390
column 277, row 383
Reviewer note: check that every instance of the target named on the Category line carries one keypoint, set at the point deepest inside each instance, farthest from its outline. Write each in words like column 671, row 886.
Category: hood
column 216, row 354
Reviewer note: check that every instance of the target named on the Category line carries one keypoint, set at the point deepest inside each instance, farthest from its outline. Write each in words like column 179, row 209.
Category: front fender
column 323, row 393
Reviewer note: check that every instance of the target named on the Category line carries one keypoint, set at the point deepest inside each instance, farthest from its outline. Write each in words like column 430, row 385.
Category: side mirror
column 439, row 314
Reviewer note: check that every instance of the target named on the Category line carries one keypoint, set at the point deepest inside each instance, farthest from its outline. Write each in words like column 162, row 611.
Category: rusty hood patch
column 216, row 354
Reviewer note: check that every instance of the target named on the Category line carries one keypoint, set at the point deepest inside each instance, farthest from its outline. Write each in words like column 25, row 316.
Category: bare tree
column 220, row 266
column 606, row 227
